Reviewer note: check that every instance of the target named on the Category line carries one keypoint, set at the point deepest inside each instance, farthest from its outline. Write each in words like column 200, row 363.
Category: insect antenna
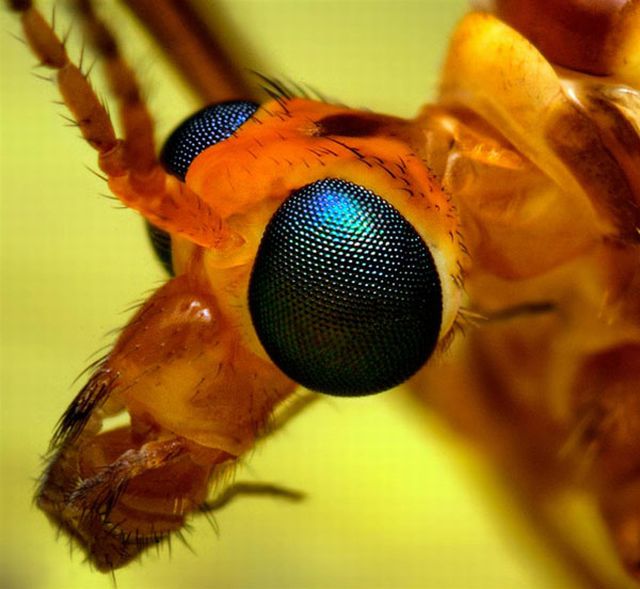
column 191, row 43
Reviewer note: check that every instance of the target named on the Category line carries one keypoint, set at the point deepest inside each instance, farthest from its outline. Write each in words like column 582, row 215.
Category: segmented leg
column 130, row 164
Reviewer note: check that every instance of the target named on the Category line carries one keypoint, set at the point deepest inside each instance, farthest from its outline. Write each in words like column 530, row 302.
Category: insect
column 498, row 152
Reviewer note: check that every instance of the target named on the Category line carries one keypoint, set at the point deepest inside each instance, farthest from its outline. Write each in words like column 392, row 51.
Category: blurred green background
column 394, row 500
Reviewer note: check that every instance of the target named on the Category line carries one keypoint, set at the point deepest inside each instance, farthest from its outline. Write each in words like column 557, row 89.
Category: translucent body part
column 564, row 383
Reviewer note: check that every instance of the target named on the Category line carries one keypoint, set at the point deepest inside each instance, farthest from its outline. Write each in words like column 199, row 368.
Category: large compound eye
column 344, row 294
column 201, row 130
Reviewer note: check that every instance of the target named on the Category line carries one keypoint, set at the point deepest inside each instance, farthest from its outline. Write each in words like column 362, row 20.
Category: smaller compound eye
column 207, row 127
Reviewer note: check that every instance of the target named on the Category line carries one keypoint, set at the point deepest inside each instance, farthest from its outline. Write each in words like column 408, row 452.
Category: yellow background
column 393, row 499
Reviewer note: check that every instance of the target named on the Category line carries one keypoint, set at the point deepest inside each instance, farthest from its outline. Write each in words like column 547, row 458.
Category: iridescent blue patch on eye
column 344, row 294
column 207, row 127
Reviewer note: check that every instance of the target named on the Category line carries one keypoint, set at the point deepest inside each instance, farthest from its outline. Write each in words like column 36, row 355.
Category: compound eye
column 207, row 127
column 344, row 294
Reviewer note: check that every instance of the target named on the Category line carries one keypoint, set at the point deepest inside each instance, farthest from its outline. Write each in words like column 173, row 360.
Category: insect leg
column 291, row 409
column 248, row 488
column 282, row 416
